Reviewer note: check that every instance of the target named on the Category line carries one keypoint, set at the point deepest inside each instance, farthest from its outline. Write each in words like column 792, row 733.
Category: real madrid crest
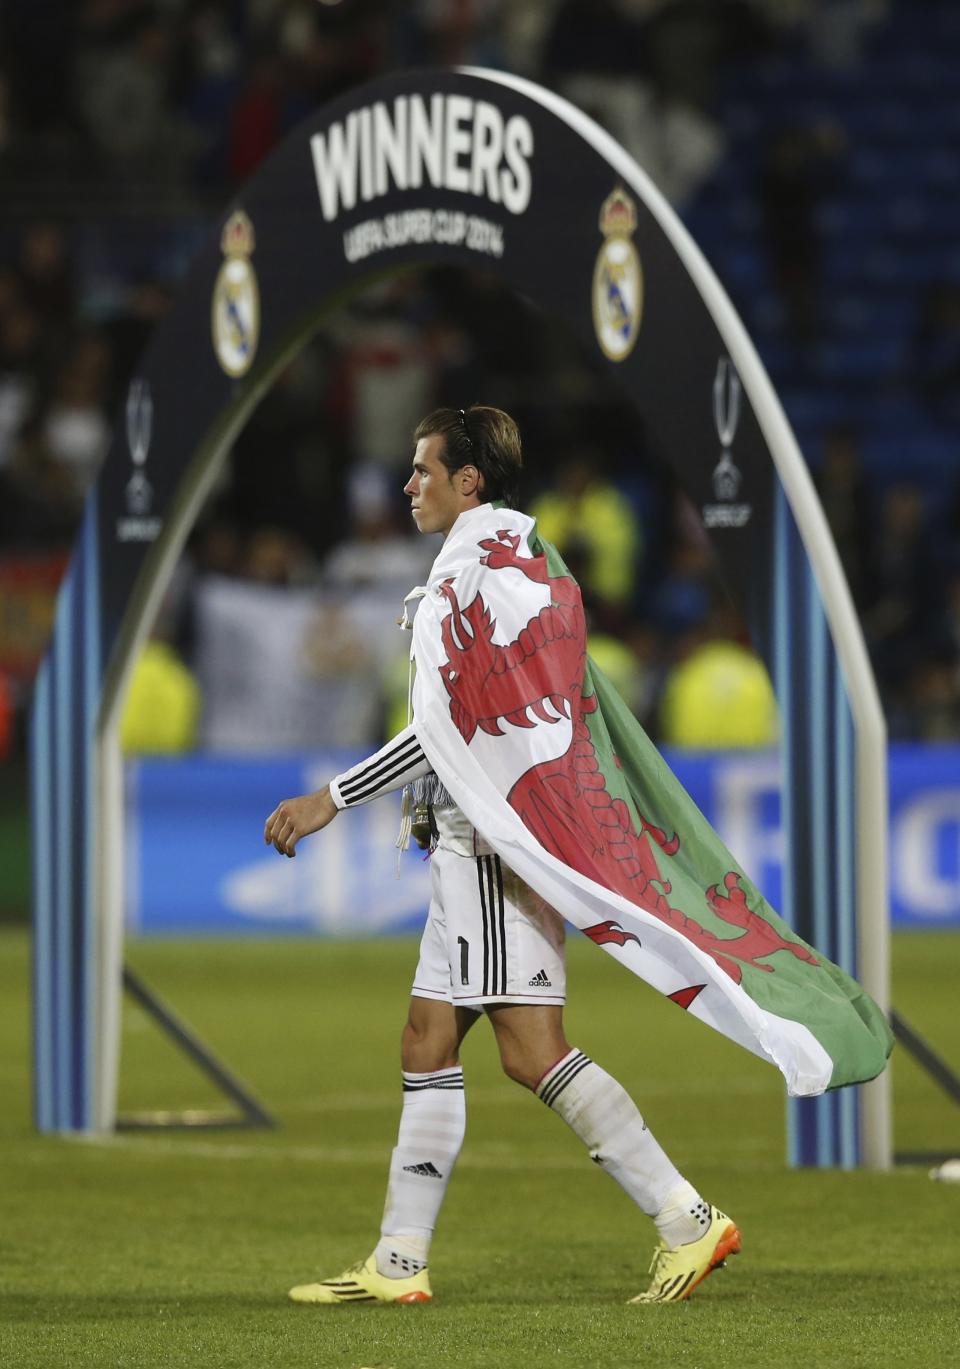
column 617, row 278
column 235, row 310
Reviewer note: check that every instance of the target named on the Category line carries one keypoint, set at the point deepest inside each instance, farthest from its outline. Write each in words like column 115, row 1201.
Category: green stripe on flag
column 813, row 992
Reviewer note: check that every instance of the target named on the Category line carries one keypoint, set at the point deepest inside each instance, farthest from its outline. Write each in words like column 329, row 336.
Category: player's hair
column 479, row 436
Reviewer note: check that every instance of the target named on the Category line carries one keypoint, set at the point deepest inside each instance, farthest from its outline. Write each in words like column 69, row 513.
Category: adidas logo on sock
column 540, row 981
column 428, row 1170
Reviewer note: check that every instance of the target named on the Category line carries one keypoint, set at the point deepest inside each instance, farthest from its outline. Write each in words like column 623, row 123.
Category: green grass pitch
column 176, row 1249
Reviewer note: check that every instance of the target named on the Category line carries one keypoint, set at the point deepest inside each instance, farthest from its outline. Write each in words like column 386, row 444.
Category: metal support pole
column 251, row 1114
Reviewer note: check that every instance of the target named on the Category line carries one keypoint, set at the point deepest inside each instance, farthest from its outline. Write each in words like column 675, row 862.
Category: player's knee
column 423, row 1048
column 519, row 1067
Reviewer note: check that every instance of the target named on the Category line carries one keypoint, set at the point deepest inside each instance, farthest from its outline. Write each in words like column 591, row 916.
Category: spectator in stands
column 45, row 274
column 40, row 499
column 123, row 85
column 143, row 305
column 276, row 556
column 948, row 631
column 926, row 707
column 718, row 695
column 377, row 555
column 593, row 35
column 384, row 374
column 586, row 517
column 216, row 549
column 646, row 646
column 799, row 168
column 75, row 425
column 687, row 42
column 217, row 545
column 22, row 345
column 36, row 39
column 847, row 501
column 162, row 707
column 448, row 32
column 140, row 70
column 679, row 603
column 925, row 702
column 294, row 419
column 836, row 30
column 206, row 71
column 257, row 116
column 623, row 667
column 328, row 49
column 937, row 351
column 624, row 74
column 902, row 603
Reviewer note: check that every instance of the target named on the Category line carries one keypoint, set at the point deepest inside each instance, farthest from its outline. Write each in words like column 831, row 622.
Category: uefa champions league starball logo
column 139, row 524
column 139, row 491
column 726, row 415
column 726, row 512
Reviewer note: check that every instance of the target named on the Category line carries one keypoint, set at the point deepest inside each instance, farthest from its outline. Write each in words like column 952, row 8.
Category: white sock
column 607, row 1120
column 684, row 1217
column 431, row 1133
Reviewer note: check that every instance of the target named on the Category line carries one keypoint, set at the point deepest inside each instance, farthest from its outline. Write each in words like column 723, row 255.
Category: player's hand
column 296, row 818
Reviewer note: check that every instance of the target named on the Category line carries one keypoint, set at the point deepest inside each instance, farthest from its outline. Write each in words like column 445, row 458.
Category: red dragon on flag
column 564, row 802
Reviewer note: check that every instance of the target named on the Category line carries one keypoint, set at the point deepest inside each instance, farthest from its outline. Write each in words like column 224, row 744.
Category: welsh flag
column 547, row 762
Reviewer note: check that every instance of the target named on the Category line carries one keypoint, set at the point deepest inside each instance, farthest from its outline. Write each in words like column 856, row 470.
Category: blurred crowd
column 125, row 124
column 119, row 95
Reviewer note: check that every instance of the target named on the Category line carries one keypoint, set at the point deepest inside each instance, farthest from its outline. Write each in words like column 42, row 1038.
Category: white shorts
column 489, row 938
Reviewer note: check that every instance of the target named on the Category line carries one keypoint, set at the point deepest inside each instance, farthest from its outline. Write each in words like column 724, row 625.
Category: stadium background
column 814, row 151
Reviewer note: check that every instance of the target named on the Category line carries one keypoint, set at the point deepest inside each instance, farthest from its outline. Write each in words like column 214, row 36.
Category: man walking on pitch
column 510, row 688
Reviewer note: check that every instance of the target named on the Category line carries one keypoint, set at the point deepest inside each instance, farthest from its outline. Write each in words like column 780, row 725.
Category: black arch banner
column 467, row 168
column 455, row 169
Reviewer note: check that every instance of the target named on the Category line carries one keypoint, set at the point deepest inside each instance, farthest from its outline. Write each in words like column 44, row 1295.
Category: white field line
column 316, row 1155
column 371, row 1100
column 482, row 1157
column 378, row 1100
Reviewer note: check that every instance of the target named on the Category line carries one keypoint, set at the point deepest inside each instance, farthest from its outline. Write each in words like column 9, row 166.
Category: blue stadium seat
column 890, row 231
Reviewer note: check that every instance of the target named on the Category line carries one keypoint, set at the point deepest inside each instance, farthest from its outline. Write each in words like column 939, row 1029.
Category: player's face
column 437, row 498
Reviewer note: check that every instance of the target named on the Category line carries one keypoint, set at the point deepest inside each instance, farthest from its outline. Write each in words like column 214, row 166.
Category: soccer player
column 491, row 946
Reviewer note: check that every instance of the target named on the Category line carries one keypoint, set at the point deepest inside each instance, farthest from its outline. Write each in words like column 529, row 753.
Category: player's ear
column 470, row 480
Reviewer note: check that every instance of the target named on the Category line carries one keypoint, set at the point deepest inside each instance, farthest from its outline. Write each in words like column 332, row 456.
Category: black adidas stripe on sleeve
column 394, row 765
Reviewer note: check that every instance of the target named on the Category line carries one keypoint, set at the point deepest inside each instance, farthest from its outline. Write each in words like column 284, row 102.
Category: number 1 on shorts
column 464, row 959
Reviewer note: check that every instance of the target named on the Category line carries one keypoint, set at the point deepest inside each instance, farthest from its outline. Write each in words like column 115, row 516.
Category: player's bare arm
column 299, row 817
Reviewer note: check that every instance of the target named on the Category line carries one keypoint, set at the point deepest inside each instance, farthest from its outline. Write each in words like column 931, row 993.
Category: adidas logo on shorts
column 540, row 981
column 428, row 1170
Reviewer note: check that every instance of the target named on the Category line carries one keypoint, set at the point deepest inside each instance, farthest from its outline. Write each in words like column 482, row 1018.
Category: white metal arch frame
column 477, row 169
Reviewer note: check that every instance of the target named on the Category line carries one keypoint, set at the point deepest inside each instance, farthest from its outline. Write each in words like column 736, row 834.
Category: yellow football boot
column 677, row 1272
column 363, row 1282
